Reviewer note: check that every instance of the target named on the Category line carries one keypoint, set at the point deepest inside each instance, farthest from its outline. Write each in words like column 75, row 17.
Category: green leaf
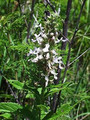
column 5, row 51
column 87, row 113
column 11, row 40
column 49, row 115
column 0, row 80
column 17, row 84
column 5, row 96
column 63, row 110
column 43, row 107
column 57, row 88
column 6, row 115
column 9, row 107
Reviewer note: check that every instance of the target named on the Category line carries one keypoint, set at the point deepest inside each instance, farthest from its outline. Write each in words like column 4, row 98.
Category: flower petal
column 46, row 49
column 47, row 56
column 47, row 79
column 53, row 72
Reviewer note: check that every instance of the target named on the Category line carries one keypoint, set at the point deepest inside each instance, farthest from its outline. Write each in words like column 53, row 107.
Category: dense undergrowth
column 44, row 60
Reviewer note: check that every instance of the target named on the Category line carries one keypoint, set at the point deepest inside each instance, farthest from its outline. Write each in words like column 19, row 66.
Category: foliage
column 24, row 94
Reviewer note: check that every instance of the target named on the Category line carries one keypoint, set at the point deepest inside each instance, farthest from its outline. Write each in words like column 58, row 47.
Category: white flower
column 56, row 33
column 33, row 40
column 53, row 72
column 37, row 50
column 42, row 74
column 47, row 56
column 56, row 14
column 58, row 40
column 23, row 9
column 55, row 77
column 53, row 38
column 64, row 40
column 52, row 34
column 49, row 64
column 40, row 57
column 54, row 52
column 59, row 11
column 39, row 40
column 46, row 48
column 52, row 63
column 47, row 79
column 30, row 52
column 57, row 60
column 61, row 65
column 36, row 25
column 47, row 45
column 35, row 59
column 44, row 35
column 41, row 27
column 37, row 35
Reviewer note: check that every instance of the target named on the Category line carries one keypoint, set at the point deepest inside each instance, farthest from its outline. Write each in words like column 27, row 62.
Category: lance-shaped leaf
column 9, row 107
column 17, row 84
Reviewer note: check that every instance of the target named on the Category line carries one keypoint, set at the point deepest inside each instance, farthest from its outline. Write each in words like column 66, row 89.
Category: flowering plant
column 45, row 53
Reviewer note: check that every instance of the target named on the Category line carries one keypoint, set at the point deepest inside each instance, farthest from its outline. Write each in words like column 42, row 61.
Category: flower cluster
column 47, row 39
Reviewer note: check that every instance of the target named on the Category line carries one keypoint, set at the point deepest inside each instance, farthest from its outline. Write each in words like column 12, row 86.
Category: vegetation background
column 23, row 95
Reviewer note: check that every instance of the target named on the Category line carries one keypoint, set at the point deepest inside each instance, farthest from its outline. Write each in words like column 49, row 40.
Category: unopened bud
column 51, row 34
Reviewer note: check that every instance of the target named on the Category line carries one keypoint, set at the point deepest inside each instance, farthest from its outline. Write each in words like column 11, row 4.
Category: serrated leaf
column 9, row 107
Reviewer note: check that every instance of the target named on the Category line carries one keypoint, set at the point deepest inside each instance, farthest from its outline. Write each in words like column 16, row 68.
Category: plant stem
column 69, row 51
column 65, row 29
